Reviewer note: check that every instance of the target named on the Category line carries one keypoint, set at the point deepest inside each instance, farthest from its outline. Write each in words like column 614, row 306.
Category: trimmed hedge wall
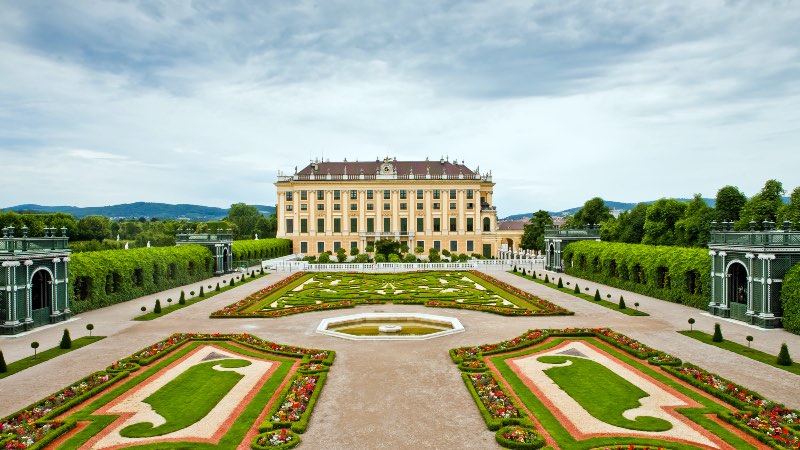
column 790, row 299
column 108, row 277
column 677, row 274
column 262, row 248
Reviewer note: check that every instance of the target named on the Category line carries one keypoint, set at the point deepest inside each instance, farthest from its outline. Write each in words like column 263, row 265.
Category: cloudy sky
column 205, row 101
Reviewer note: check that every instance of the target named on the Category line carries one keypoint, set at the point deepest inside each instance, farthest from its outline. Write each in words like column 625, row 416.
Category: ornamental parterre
column 34, row 425
column 770, row 422
column 305, row 292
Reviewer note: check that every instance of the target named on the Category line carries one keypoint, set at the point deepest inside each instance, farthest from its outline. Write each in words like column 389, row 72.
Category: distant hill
column 140, row 209
column 622, row 206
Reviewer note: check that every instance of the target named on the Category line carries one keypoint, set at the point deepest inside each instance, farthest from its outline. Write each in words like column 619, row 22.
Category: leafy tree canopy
column 659, row 224
column 762, row 206
column 594, row 212
column 694, row 228
column 533, row 237
column 729, row 203
column 245, row 217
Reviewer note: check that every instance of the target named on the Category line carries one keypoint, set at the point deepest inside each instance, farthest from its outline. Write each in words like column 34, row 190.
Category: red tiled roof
column 512, row 224
column 400, row 167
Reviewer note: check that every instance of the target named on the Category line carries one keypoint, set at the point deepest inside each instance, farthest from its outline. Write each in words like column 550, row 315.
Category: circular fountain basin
column 390, row 326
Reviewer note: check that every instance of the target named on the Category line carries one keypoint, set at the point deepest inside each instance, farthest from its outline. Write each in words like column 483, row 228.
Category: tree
column 202, row 293
column 157, row 308
column 597, row 295
column 93, row 228
column 694, row 228
column 659, row 224
column 749, row 339
column 380, row 258
column 182, row 299
column 341, row 255
column 245, row 217
column 387, row 247
column 66, row 341
column 791, row 211
column 691, row 323
column 560, row 283
column 533, row 237
column 410, row 258
column 594, row 212
column 763, row 206
column 267, row 227
column 621, row 303
column 577, row 289
column 730, row 201
column 717, row 333
column 34, row 346
column 3, row 366
column 324, row 258
column 394, row 258
column 783, row 356
column 433, row 256
column 89, row 327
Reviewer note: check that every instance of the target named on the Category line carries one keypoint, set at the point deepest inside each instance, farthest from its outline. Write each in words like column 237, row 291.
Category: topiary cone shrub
column 157, row 308
column 66, row 341
column 217, row 288
column 597, row 295
column 560, row 284
column 783, row 356
column 546, row 280
column 182, row 300
column 233, row 282
column 717, row 333
column 621, row 302
column 577, row 289
column 3, row 366
column 202, row 293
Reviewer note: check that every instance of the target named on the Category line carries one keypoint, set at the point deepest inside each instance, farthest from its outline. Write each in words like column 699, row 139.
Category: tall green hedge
column 790, row 299
column 261, row 249
column 676, row 274
column 108, row 277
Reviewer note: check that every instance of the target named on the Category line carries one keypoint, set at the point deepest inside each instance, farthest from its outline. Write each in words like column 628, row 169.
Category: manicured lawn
column 167, row 308
column 743, row 350
column 188, row 398
column 372, row 330
column 601, row 392
column 629, row 310
column 42, row 356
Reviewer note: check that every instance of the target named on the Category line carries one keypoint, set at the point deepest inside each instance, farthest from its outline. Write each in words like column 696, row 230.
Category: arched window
column 487, row 224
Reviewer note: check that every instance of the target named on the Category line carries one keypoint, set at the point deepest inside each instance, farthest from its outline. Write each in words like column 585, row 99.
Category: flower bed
column 519, row 437
column 277, row 439
column 353, row 292
column 768, row 421
column 294, row 408
column 33, row 427
column 497, row 408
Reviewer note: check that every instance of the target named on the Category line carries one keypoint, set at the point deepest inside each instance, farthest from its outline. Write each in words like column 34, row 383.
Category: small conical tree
column 691, row 323
column 621, row 302
column 157, row 308
column 202, row 293
column 66, row 341
column 783, row 356
column 232, row 281
column 253, row 274
column 90, row 327
column 717, row 333
column 560, row 284
column 182, row 299
column 597, row 295
column 3, row 366
column 577, row 289
column 533, row 274
column 546, row 280
column 217, row 288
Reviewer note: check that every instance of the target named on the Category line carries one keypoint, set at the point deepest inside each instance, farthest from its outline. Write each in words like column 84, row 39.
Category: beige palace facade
column 430, row 204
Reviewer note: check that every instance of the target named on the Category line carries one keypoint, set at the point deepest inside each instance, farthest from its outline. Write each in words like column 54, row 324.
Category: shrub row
column 261, row 249
column 113, row 276
column 676, row 274
column 790, row 300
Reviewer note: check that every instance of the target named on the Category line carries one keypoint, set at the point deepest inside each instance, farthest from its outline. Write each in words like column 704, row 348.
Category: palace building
column 430, row 204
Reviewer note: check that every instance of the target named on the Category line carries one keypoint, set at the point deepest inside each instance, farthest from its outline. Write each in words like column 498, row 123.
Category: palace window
column 353, row 225
column 387, row 194
column 403, row 194
column 320, row 195
column 437, row 224
column 452, row 205
column 452, row 194
column 470, row 246
column 419, row 194
column 470, row 194
column 289, row 196
column 437, row 205
column 303, row 195
column 320, row 225
column 303, row 206
column 353, row 194
column 370, row 207
column 470, row 224
column 337, row 225
column 403, row 224
column 387, row 206
column 387, row 224
column 290, row 226
column 420, row 224
column 369, row 194
column 320, row 247
column 337, row 206
column 320, row 206
column 437, row 194
column 470, row 205
column 403, row 206
column 304, row 225
column 337, row 194
column 290, row 207
column 420, row 205
column 336, row 246
column 453, row 246
column 304, row 247
column 370, row 225
column 353, row 207
column 453, row 224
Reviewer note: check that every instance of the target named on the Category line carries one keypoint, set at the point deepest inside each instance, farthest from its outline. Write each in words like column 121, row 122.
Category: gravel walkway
column 403, row 394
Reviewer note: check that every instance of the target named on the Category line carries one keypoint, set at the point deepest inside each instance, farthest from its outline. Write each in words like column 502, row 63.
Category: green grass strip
column 30, row 361
column 756, row 355
column 191, row 301
column 590, row 298
column 188, row 398
column 601, row 392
